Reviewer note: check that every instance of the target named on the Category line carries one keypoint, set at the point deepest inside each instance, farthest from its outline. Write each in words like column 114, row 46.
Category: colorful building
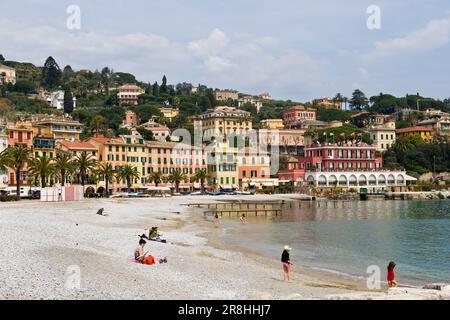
column 425, row 133
column 3, row 147
column 348, row 166
column 326, row 103
column 58, row 127
column 294, row 116
column 128, row 94
column 383, row 135
column 271, row 124
column 76, row 148
column 222, row 164
column 169, row 113
column 440, row 126
column 254, row 168
column 224, row 121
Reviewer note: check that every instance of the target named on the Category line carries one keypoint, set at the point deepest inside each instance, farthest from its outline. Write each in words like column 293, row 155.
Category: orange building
column 293, row 115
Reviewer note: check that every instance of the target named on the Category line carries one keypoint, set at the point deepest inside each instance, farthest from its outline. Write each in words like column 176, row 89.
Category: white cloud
column 436, row 34
column 215, row 43
column 217, row 64
column 248, row 64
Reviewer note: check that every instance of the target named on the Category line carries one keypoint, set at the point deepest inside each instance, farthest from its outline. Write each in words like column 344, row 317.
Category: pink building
column 350, row 166
column 296, row 114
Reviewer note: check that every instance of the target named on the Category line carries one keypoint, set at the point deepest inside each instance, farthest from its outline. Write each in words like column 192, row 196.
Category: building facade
column 128, row 94
column 346, row 166
column 425, row 133
column 224, row 95
column 326, row 103
column 223, row 122
column 272, row 124
column 440, row 126
column 383, row 136
column 7, row 74
column 59, row 128
column 294, row 116
column 3, row 147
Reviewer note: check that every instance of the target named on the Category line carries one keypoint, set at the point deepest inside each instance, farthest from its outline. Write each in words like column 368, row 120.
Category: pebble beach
column 65, row 251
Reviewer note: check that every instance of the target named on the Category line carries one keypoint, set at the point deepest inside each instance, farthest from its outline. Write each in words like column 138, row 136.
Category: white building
column 3, row 146
column 7, row 74
column 56, row 100
column 252, row 100
column 383, row 136
column 375, row 181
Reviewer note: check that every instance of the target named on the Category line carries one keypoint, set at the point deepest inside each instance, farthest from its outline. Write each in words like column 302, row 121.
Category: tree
column 68, row 101
column 64, row 166
column 24, row 86
column 107, row 76
column 128, row 174
column 163, row 88
column 156, row 177
column 41, row 168
column 146, row 134
column 98, row 124
column 2, row 58
column 16, row 158
column 202, row 176
column 155, row 89
column 106, row 172
column 51, row 73
column 84, row 164
column 177, row 177
column 359, row 100
column 338, row 98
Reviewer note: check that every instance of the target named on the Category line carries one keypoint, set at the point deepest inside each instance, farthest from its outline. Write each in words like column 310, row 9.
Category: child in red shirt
column 391, row 276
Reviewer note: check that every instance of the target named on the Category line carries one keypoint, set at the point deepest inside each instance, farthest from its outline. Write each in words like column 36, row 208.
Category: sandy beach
column 45, row 245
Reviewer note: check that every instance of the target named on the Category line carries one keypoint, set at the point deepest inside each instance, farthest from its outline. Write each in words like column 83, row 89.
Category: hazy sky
column 293, row 49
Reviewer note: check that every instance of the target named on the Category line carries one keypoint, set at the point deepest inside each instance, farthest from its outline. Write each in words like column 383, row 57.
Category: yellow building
column 59, row 128
column 222, row 165
column 169, row 113
column 426, row 134
column 272, row 124
column 224, row 121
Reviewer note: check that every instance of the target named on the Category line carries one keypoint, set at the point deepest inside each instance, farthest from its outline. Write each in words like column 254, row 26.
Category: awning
column 409, row 178
column 157, row 188
column 226, row 187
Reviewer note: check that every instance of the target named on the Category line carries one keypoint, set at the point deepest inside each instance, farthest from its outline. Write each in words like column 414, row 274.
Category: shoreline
column 42, row 241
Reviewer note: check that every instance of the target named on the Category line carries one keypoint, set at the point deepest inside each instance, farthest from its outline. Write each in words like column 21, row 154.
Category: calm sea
column 347, row 237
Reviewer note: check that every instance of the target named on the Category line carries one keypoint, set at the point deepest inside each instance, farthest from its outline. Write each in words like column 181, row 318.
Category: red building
column 333, row 158
column 294, row 115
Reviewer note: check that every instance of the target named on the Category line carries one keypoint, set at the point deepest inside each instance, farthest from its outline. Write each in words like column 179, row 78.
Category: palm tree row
column 82, row 166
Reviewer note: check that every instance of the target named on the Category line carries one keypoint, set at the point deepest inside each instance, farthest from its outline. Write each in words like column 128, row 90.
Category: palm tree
column 106, row 171
column 64, row 166
column 84, row 164
column 41, row 168
column 338, row 98
column 127, row 174
column 16, row 158
column 176, row 177
column 156, row 177
column 201, row 176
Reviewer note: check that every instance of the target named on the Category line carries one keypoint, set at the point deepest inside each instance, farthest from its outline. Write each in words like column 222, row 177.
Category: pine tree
column 51, row 73
column 359, row 100
column 156, row 89
column 68, row 101
column 163, row 88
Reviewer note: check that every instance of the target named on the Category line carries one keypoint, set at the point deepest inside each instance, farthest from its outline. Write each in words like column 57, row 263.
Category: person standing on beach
column 216, row 220
column 243, row 218
column 286, row 261
column 391, row 275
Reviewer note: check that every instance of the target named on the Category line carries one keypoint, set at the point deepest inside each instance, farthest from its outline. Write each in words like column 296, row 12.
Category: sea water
column 348, row 237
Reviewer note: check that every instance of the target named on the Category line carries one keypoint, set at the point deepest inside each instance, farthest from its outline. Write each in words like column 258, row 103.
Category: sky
column 293, row 49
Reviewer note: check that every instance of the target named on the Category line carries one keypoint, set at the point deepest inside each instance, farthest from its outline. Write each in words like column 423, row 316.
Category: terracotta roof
column 413, row 129
column 79, row 145
column 100, row 139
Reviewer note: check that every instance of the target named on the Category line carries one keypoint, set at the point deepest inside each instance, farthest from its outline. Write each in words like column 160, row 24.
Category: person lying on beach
column 286, row 262
column 391, row 275
column 143, row 257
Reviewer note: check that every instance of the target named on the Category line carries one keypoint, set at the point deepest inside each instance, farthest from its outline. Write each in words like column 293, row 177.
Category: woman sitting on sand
column 143, row 257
